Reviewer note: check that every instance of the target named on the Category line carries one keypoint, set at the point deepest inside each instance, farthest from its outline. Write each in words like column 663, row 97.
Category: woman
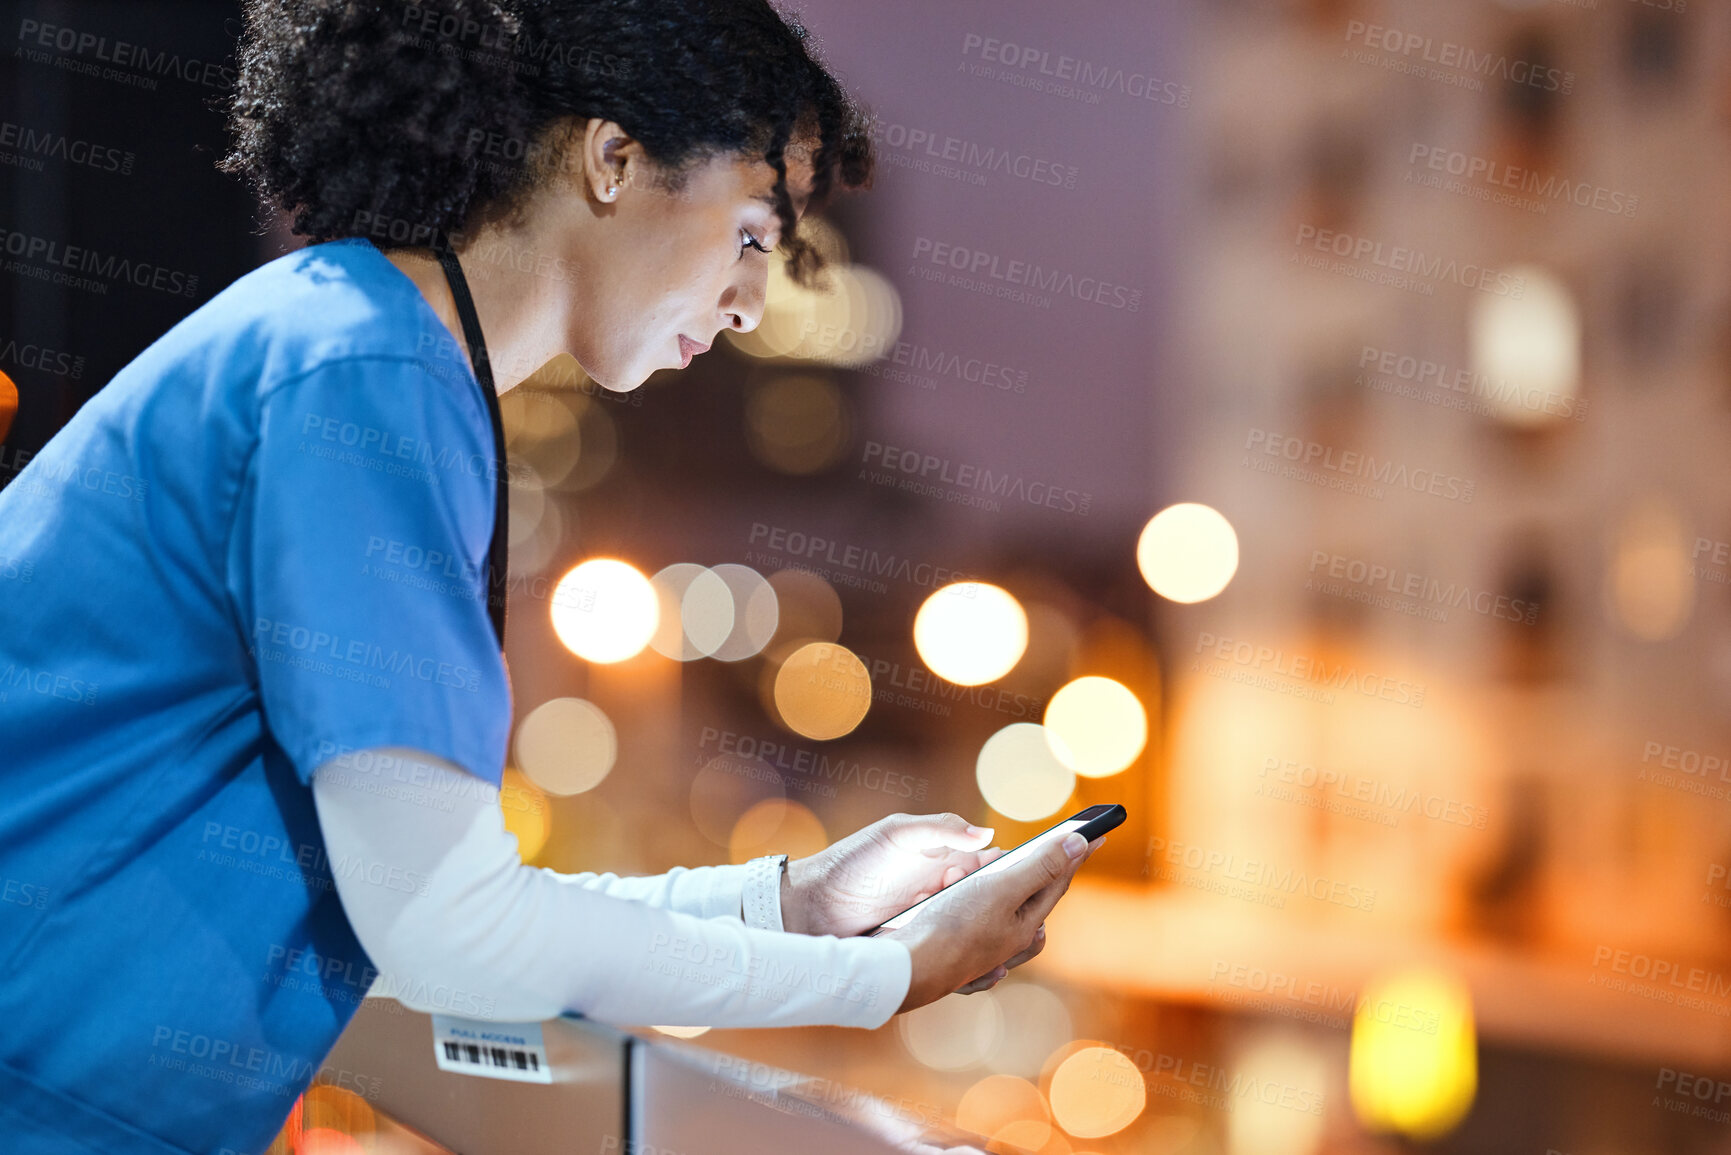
column 246, row 779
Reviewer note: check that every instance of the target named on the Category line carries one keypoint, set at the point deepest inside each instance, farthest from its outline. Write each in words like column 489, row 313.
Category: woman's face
column 658, row 271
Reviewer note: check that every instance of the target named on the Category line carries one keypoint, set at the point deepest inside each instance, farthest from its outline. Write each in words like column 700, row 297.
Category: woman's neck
column 518, row 311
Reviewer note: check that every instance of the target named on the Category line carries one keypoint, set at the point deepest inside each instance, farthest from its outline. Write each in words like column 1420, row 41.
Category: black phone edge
column 1099, row 824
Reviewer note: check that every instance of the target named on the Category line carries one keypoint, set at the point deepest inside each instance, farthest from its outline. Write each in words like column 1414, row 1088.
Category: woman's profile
column 245, row 780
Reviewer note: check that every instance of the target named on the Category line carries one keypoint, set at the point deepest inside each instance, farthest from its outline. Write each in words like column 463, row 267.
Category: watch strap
column 762, row 892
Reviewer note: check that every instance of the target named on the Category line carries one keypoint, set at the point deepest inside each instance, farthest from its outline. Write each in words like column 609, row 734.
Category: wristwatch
column 762, row 892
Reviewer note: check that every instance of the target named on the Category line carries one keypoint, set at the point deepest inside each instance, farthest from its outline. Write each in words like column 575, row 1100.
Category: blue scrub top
column 261, row 545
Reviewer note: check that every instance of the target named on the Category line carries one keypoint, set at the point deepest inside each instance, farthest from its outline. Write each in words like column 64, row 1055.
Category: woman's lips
column 688, row 349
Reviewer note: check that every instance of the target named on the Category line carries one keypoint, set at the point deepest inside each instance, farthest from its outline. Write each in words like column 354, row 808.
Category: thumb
column 929, row 831
column 1043, row 877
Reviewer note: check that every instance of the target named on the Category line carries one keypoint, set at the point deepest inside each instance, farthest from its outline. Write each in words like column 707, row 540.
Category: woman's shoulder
column 334, row 310
column 327, row 302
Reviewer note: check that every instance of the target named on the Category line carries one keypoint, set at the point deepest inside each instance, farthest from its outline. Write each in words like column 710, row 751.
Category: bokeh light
column 537, row 523
column 325, row 1105
column 1054, row 642
column 598, row 439
column 1414, row 1060
column 527, row 499
column 822, row 691
column 1285, row 1124
column 528, row 814
column 672, row 637
column 541, row 431
column 810, row 611
column 854, row 324
column 328, row 1141
column 725, row 787
column 1651, row 585
column 1167, row 1134
column 8, row 404
column 604, row 610
column 1529, row 346
column 1018, row 774
column 573, row 451
column 566, row 746
column 729, row 612
column 776, row 826
column 971, row 633
column 998, row 1100
column 954, row 1033
column 1031, row 1136
column 754, row 613
column 706, row 615
column 1035, row 1024
column 1096, row 1091
column 1187, row 552
column 329, row 1120
column 1096, row 726
column 290, row 1136
column 797, row 423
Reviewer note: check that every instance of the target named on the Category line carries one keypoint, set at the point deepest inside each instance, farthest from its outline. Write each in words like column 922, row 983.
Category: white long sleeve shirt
column 433, row 885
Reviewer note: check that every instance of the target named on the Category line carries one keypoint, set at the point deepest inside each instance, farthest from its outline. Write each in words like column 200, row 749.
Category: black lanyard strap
column 498, row 558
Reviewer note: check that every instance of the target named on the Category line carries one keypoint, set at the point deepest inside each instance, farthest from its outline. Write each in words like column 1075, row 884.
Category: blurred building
column 1427, row 301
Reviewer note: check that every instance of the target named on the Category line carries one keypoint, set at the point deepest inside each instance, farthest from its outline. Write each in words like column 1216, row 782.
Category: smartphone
column 1090, row 824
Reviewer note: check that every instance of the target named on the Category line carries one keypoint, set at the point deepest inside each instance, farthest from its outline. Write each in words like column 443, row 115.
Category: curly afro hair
column 349, row 113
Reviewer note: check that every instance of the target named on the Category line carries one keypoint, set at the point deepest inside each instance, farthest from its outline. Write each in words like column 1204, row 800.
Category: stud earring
column 611, row 190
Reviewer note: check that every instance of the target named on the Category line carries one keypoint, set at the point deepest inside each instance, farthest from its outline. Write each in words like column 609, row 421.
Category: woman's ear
column 611, row 159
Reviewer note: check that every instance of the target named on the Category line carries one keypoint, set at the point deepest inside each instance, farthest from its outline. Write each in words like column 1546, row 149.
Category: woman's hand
column 895, row 862
column 882, row 870
column 968, row 939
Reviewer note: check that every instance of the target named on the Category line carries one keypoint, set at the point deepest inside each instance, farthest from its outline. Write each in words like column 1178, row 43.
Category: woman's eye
column 747, row 241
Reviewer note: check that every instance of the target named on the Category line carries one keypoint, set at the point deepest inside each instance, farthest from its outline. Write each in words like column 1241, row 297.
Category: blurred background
column 1304, row 422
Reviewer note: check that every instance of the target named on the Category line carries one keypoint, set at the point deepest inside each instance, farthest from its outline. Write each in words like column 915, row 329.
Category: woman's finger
column 923, row 831
column 984, row 983
column 1032, row 949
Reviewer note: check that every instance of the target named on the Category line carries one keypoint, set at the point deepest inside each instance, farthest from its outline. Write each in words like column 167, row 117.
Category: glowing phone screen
column 1003, row 862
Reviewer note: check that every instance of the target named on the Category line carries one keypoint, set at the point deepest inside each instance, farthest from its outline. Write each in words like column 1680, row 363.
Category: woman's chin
column 617, row 380
column 628, row 378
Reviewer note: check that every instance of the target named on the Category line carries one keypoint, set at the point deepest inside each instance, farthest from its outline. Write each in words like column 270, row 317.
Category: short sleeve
column 358, row 566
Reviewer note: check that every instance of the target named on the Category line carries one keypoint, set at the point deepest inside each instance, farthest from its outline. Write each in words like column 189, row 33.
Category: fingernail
column 979, row 831
column 1074, row 844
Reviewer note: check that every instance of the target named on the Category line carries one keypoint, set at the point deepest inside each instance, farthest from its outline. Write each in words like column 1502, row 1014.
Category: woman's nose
column 742, row 303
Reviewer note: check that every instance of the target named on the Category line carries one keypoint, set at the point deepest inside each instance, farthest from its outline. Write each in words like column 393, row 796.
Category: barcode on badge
column 492, row 1056
column 512, row 1051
